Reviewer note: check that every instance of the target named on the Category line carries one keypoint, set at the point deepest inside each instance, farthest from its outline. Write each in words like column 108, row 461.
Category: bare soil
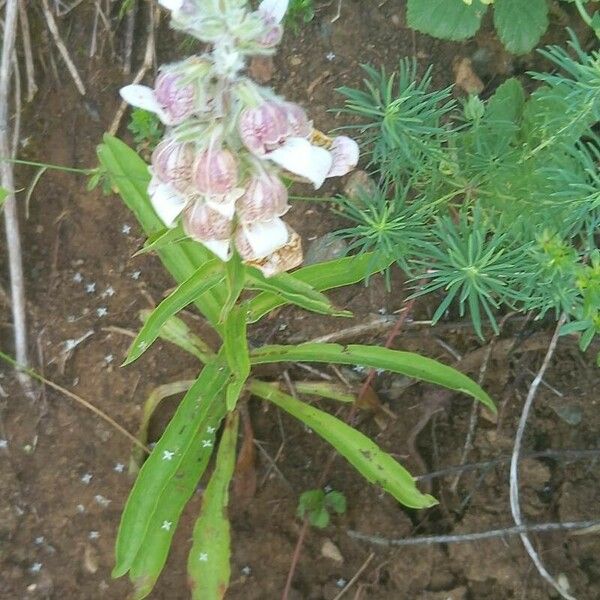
column 62, row 487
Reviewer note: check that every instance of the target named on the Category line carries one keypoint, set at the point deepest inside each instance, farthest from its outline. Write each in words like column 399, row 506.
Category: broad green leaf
column 165, row 461
column 129, row 175
column 163, row 239
column 208, row 562
column 176, row 331
column 153, row 551
column 294, row 291
column 407, row 363
column 366, row 457
column 154, row 399
column 446, row 19
column 506, row 105
column 236, row 278
column 323, row 276
column 3, row 196
column 203, row 280
column 520, row 24
column 235, row 344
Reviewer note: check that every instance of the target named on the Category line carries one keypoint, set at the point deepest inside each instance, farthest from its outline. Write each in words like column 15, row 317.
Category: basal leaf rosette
column 229, row 141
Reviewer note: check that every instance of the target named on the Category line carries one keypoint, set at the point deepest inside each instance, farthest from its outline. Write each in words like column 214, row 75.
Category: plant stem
column 31, row 163
column 11, row 220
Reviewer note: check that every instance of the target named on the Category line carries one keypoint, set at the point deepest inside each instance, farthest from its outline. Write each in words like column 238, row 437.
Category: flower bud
column 344, row 152
column 298, row 123
column 214, row 172
column 265, row 197
column 264, row 128
column 176, row 98
column 272, row 35
column 172, row 163
column 203, row 223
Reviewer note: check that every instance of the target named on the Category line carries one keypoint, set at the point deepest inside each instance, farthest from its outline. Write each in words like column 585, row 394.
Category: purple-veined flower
column 264, row 128
column 344, row 153
column 264, row 198
column 214, row 172
column 171, row 100
column 172, row 163
column 207, row 225
column 272, row 13
column 272, row 9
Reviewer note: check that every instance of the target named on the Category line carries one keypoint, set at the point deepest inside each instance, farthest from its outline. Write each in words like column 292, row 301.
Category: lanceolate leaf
column 203, row 280
column 236, row 278
column 323, row 276
column 446, row 19
column 176, row 331
column 294, row 291
column 154, row 549
column 166, row 460
column 407, row 363
column 129, row 175
column 520, row 25
column 163, row 239
column 208, row 561
column 235, row 343
column 366, row 457
column 3, row 196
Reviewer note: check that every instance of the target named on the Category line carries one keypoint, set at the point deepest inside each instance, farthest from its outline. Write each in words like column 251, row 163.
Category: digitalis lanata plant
column 229, row 140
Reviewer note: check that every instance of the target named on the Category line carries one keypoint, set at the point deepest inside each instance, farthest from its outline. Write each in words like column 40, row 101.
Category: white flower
column 166, row 201
column 273, row 9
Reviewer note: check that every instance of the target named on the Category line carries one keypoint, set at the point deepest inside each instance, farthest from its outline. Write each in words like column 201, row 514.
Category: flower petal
column 174, row 5
column 142, row 96
column 300, row 157
column 222, row 248
column 345, row 153
column 283, row 259
column 275, row 9
column 166, row 201
column 257, row 240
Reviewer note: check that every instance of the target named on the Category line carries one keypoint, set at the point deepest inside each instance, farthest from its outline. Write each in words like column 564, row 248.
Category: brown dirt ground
column 48, row 515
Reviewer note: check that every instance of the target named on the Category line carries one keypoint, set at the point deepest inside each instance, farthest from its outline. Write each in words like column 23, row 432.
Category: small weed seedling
column 317, row 506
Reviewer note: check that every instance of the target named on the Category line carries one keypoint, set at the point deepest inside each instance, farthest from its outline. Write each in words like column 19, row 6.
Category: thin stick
column 129, row 31
column 515, row 506
column 356, row 576
column 473, row 537
column 11, row 221
column 62, row 48
column 146, row 65
column 79, row 400
column 25, row 34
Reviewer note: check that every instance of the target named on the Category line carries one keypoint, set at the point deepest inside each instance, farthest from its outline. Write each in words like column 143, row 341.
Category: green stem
column 49, row 166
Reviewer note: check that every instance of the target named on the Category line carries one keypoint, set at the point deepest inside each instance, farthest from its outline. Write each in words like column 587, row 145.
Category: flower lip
column 255, row 241
column 345, row 155
column 166, row 201
column 272, row 9
column 203, row 223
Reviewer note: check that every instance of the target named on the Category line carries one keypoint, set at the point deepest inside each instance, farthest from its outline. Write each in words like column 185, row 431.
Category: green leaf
column 506, row 105
column 520, row 24
column 235, row 343
column 336, row 501
column 153, row 551
column 208, row 562
column 162, row 239
column 203, row 280
column 236, row 279
column 446, row 19
column 165, row 461
column 293, row 291
column 176, row 331
column 4, row 194
column 366, row 457
column 407, row 363
column 323, row 276
column 129, row 175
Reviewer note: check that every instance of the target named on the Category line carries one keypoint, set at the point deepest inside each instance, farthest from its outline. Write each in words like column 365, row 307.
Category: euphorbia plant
column 211, row 203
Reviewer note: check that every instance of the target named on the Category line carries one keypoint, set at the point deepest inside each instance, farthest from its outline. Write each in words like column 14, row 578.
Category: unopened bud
column 265, row 198
column 176, row 98
column 203, row 223
column 264, row 128
column 214, row 172
column 172, row 163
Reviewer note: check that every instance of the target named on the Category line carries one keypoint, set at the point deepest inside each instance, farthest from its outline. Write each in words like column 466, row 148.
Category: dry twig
column 473, row 537
column 26, row 37
column 52, row 26
column 515, row 505
column 13, row 240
